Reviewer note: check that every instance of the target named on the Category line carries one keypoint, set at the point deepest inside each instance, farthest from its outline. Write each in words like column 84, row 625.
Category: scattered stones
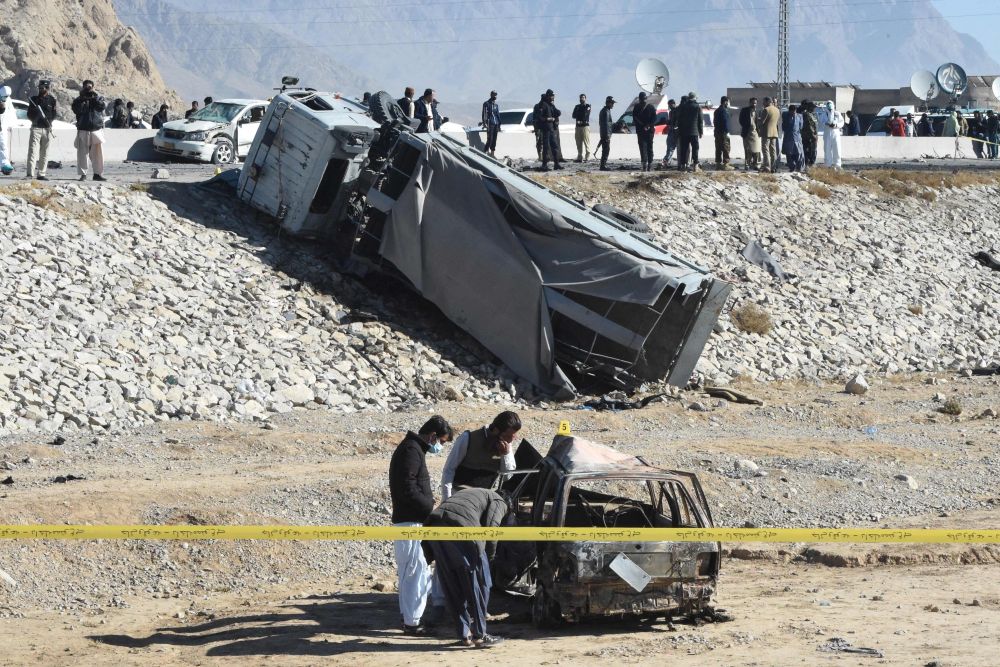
column 910, row 482
column 746, row 468
column 699, row 407
column 161, row 173
column 383, row 586
column 857, row 385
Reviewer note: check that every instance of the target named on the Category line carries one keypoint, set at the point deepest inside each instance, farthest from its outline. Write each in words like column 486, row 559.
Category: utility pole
column 784, row 95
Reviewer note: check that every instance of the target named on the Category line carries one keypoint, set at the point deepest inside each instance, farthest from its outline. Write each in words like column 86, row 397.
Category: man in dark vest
column 412, row 502
column 479, row 457
column 644, row 118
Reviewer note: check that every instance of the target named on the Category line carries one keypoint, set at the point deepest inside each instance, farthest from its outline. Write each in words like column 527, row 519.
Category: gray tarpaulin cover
column 448, row 236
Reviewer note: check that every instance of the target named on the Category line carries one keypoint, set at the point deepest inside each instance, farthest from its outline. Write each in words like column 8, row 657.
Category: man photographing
column 89, row 109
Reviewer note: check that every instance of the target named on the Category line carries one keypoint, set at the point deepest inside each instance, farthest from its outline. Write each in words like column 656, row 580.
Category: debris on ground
column 841, row 645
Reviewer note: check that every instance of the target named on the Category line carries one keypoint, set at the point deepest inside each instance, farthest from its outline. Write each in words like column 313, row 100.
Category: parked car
column 220, row 132
column 21, row 109
column 522, row 120
column 583, row 484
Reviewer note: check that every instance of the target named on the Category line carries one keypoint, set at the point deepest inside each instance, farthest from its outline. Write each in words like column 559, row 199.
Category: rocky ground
column 167, row 357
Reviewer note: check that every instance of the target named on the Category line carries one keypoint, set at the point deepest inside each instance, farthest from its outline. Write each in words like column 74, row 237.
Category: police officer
column 491, row 123
column 41, row 113
column 581, row 114
column 644, row 118
column 606, row 124
column 549, row 125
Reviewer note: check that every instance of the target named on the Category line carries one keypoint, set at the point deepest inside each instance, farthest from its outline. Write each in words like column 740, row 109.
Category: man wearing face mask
column 479, row 457
column 412, row 502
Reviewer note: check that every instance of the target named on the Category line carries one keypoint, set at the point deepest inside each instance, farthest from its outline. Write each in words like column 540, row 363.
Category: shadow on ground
column 311, row 262
column 346, row 623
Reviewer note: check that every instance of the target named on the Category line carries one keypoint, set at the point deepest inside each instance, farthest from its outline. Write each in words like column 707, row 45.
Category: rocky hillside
column 68, row 41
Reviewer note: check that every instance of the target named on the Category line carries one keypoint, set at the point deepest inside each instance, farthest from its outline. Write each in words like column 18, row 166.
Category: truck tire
column 626, row 220
column 544, row 611
column 384, row 109
column 225, row 152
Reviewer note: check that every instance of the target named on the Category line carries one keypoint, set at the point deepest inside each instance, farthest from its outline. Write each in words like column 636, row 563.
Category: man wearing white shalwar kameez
column 832, row 122
column 7, row 119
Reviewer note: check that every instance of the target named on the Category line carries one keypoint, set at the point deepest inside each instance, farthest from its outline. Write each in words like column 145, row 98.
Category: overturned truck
column 568, row 298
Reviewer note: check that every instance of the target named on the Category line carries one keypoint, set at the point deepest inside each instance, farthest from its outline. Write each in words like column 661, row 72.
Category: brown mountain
column 68, row 41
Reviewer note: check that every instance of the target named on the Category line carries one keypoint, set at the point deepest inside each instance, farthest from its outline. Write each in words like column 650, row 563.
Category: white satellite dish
column 924, row 85
column 952, row 79
column 652, row 75
column 996, row 87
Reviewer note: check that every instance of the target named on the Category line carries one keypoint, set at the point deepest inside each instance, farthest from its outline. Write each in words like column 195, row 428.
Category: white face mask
column 436, row 447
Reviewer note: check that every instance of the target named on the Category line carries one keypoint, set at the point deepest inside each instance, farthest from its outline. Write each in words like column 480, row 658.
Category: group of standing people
column 459, row 585
column 424, row 109
column 798, row 129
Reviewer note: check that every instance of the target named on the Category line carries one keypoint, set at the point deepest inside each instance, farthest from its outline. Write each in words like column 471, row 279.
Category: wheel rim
column 225, row 152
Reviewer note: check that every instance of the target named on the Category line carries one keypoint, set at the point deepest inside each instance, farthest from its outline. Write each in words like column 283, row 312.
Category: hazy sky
column 984, row 28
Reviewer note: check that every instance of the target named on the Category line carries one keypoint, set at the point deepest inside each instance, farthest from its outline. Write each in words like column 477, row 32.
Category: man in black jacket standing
column 606, row 123
column 89, row 109
column 463, row 567
column 549, row 124
column 690, row 129
column 41, row 113
column 491, row 123
column 644, row 118
column 581, row 114
column 720, row 124
column 412, row 502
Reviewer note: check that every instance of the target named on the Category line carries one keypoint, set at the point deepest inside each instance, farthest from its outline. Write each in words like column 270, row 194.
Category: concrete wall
column 625, row 146
column 121, row 145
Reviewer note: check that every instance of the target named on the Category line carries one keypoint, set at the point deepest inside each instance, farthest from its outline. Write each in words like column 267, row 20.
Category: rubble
column 857, row 385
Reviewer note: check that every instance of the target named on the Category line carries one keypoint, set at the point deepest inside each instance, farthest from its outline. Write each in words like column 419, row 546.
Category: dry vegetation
column 906, row 183
column 818, row 190
column 951, row 407
column 86, row 213
column 751, row 318
column 915, row 308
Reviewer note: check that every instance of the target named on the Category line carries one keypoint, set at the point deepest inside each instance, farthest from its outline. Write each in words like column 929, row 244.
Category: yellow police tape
column 357, row 533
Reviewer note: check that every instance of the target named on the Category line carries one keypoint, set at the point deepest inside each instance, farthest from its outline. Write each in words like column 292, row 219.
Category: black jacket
column 606, row 123
column 581, row 114
column 545, row 111
column 119, row 118
column 992, row 124
column 746, row 121
column 720, row 121
column 471, row 508
column 88, row 110
column 41, row 111
column 421, row 110
column 689, row 121
column 409, row 481
column 644, row 117
column 853, row 128
column 158, row 120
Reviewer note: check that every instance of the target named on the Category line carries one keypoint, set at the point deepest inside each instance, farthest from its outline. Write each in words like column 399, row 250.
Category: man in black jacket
column 41, row 113
column 427, row 113
column 606, row 123
column 581, row 114
column 463, row 567
column 160, row 117
column 548, row 120
column 491, row 123
column 690, row 129
column 722, row 130
column 89, row 109
column 412, row 502
column 644, row 118
column 671, row 131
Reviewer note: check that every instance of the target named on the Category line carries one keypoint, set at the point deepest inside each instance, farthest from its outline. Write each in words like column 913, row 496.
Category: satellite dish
column 996, row 87
column 924, row 85
column 952, row 79
column 652, row 75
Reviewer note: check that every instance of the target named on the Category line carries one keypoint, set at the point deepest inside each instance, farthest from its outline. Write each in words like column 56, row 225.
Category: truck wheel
column 225, row 152
column 623, row 218
column 544, row 610
column 384, row 109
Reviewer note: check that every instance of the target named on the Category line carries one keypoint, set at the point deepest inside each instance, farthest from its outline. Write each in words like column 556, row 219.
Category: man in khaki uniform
column 41, row 113
column 767, row 127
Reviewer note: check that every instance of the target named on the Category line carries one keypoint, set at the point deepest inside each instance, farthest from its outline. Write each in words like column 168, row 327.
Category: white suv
column 220, row 132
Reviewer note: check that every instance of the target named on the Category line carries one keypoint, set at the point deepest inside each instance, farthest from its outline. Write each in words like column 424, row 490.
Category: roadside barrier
column 518, row 534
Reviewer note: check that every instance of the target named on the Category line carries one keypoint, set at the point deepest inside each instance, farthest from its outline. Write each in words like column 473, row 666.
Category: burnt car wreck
column 584, row 484
column 568, row 298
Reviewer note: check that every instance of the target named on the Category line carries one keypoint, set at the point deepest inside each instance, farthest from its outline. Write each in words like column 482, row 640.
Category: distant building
column 866, row 102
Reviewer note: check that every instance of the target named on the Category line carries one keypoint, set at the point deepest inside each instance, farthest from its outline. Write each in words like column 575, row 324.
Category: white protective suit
column 832, row 123
column 7, row 121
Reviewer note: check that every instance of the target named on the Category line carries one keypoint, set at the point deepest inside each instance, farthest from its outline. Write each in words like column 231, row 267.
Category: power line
column 295, row 47
column 659, row 12
column 421, row 4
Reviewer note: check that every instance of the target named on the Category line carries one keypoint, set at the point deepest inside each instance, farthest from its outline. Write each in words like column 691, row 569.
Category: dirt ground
column 115, row 603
